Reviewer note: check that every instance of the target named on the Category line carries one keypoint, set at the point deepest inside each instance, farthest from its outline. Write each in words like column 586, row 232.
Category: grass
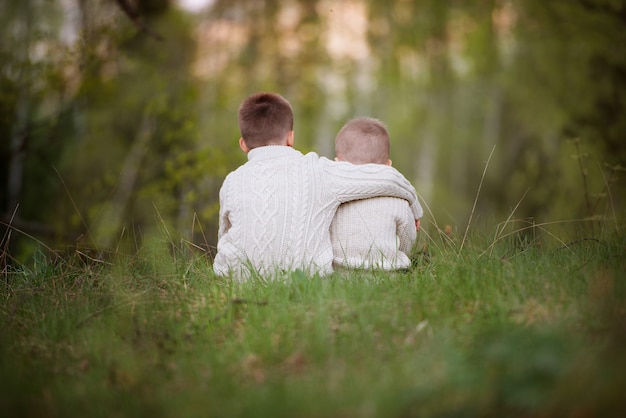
column 524, row 329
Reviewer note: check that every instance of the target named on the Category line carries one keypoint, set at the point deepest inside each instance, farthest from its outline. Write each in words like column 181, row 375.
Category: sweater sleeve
column 353, row 182
column 417, row 210
column 406, row 232
column 224, row 221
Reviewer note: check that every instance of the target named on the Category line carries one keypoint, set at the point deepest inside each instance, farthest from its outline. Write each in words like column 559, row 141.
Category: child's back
column 377, row 232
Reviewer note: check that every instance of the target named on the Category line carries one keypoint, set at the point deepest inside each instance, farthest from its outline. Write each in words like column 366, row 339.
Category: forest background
column 119, row 117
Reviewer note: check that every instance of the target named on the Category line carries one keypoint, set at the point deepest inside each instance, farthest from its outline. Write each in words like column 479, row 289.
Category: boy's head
column 265, row 119
column 363, row 140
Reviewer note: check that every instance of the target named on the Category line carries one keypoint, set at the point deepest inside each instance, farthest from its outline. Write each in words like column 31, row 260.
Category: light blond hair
column 363, row 140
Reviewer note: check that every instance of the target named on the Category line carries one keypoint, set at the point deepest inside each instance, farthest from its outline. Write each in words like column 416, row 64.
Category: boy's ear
column 243, row 146
column 290, row 139
column 388, row 163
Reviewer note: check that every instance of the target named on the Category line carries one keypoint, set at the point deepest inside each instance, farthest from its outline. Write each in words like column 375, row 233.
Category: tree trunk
column 111, row 221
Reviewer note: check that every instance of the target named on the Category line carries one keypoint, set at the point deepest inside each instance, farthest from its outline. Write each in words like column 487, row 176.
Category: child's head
column 265, row 119
column 363, row 140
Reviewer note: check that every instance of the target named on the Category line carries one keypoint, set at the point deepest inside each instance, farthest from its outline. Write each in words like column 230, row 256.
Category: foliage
column 515, row 329
column 113, row 131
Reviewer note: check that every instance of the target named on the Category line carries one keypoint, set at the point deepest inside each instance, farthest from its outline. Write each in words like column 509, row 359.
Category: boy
column 276, row 209
column 372, row 233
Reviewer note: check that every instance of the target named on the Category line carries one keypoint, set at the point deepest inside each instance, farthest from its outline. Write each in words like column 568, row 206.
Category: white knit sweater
column 373, row 233
column 276, row 209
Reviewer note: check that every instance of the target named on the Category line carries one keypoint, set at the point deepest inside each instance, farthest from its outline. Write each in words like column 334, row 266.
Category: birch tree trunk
column 19, row 130
column 111, row 222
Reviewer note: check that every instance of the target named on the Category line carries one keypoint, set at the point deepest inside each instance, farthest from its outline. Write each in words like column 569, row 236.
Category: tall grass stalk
column 480, row 185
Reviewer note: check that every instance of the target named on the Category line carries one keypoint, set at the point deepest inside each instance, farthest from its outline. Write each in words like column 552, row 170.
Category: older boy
column 276, row 209
column 372, row 233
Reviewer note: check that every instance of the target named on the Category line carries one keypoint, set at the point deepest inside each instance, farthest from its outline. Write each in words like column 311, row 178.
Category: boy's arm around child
column 354, row 182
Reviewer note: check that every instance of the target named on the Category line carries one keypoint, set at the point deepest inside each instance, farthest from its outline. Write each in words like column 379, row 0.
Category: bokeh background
column 118, row 117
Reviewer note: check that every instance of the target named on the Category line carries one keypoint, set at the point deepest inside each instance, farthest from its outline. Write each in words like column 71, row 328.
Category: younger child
column 276, row 209
column 371, row 233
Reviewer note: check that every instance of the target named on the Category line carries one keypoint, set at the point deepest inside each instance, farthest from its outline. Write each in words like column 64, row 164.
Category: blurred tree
column 568, row 81
column 118, row 148
column 139, row 138
column 34, row 101
column 131, row 121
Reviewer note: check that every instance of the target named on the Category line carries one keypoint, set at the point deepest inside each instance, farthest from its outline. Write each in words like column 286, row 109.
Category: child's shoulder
column 312, row 155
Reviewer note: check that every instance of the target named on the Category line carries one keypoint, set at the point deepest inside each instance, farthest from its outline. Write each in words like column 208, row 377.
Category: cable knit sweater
column 276, row 209
column 373, row 233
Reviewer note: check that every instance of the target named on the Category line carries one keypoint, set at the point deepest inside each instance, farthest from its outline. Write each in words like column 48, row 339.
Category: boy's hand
column 417, row 225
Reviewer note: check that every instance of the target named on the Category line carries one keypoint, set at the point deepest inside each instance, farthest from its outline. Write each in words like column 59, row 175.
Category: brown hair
column 363, row 140
column 265, row 119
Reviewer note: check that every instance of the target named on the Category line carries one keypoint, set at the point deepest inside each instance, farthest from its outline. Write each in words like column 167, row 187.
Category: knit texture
column 373, row 233
column 276, row 209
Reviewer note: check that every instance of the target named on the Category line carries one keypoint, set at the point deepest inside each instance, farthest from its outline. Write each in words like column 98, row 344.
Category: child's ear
column 388, row 163
column 243, row 146
column 290, row 139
